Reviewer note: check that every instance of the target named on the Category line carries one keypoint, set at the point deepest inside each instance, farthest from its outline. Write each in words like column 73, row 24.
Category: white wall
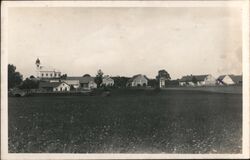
column 139, row 80
column 228, row 80
column 62, row 87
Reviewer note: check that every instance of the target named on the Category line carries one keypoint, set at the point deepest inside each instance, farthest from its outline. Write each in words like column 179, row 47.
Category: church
column 46, row 72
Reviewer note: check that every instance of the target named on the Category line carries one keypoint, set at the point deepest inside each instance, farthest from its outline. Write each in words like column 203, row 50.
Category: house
column 85, row 82
column 54, row 86
column 197, row 80
column 138, row 80
column 229, row 79
column 45, row 71
column 107, row 81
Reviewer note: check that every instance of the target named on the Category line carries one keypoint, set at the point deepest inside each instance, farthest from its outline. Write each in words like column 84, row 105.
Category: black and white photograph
column 124, row 79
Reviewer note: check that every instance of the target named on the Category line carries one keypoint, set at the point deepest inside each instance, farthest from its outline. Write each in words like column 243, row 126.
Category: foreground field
column 128, row 121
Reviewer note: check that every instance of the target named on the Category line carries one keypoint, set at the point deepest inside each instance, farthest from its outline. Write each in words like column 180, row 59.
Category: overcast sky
column 126, row 41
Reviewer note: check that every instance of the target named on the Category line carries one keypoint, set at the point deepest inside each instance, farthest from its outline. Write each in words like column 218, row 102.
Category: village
column 50, row 80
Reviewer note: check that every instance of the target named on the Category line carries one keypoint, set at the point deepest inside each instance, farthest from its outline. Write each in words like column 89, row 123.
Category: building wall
column 90, row 85
column 162, row 82
column 228, row 80
column 49, row 74
column 74, row 83
column 209, row 80
column 62, row 87
column 140, row 80
column 108, row 82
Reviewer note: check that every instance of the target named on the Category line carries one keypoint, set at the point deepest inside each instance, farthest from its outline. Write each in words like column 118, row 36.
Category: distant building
column 54, row 86
column 197, row 80
column 107, row 81
column 46, row 72
column 162, row 77
column 86, row 82
column 138, row 80
column 229, row 79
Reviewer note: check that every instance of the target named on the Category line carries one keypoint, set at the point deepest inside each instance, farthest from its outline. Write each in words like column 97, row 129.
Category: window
column 42, row 74
column 51, row 75
column 46, row 74
column 55, row 74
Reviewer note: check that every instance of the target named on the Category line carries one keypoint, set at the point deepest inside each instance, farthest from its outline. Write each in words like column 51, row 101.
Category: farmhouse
column 54, row 86
column 44, row 72
column 86, row 82
column 229, row 79
column 107, row 81
column 138, row 80
column 197, row 80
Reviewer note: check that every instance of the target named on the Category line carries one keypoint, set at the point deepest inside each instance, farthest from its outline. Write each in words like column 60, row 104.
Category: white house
column 197, row 80
column 229, row 79
column 54, row 86
column 107, row 81
column 85, row 82
column 138, row 80
column 46, row 72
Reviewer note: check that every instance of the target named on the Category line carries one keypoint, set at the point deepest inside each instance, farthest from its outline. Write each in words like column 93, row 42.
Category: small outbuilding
column 54, row 86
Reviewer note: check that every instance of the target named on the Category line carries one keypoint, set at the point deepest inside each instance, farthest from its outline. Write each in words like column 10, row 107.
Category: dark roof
column 190, row 78
column 50, row 84
column 85, row 79
column 237, row 78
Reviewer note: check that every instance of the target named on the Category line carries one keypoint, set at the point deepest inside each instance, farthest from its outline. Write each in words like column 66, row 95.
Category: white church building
column 46, row 72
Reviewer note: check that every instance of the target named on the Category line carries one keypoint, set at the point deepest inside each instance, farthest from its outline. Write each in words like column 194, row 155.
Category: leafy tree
column 98, row 78
column 162, row 74
column 32, row 77
column 194, row 80
column 152, row 82
column 120, row 82
column 64, row 76
column 29, row 84
column 14, row 78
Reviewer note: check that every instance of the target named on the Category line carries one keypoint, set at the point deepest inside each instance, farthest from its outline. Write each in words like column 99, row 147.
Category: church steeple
column 38, row 62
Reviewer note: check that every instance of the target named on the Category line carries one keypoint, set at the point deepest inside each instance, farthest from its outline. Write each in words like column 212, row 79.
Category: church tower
column 38, row 63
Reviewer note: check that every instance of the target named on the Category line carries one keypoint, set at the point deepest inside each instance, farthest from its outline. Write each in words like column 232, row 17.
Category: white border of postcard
column 244, row 4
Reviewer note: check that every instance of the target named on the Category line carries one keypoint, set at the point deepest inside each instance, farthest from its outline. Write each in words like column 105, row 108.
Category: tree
column 64, row 76
column 162, row 74
column 86, row 75
column 120, row 82
column 98, row 78
column 14, row 78
column 194, row 80
column 29, row 84
column 152, row 82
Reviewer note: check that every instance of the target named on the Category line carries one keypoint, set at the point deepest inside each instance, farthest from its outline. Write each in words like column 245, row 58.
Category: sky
column 126, row 41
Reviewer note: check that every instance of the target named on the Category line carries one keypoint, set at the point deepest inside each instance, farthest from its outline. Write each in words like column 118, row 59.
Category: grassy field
column 128, row 121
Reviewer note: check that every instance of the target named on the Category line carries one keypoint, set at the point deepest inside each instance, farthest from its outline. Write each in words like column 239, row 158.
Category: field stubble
column 133, row 121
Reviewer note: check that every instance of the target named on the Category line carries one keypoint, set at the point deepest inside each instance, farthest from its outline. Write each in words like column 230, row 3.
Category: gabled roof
column 50, row 84
column 137, row 75
column 235, row 78
column 190, row 78
column 85, row 79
